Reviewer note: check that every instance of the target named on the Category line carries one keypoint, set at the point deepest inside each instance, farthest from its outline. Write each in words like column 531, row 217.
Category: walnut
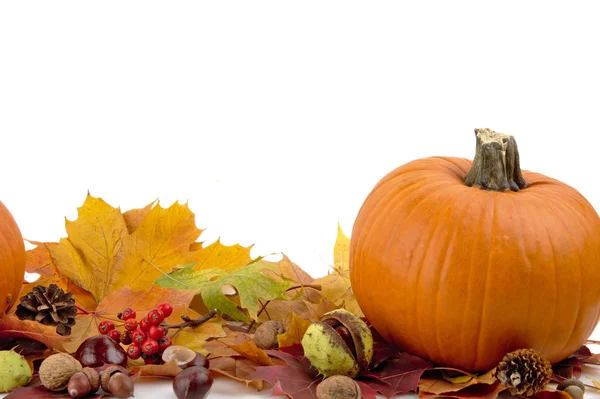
column 265, row 336
column 56, row 371
column 338, row 387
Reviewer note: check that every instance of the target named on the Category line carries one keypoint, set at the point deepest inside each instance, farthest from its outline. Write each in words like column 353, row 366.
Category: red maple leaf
column 397, row 375
column 297, row 380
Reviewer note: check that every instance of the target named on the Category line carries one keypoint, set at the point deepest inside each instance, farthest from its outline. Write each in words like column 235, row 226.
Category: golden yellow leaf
column 596, row 383
column 161, row 241
column 135, row 217
column 294, row 333
column 335, row 287
column 249, row 350
column 194, row 338
column 226, row 257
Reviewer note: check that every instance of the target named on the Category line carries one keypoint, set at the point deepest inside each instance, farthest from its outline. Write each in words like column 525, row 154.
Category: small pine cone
column 525, row 372
column 50, row 306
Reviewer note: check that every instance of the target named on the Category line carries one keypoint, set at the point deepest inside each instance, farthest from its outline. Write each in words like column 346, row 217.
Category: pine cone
column 525, row 372
column 50, row 306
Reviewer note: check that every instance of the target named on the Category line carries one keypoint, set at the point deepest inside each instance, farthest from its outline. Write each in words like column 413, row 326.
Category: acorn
column 339, row 344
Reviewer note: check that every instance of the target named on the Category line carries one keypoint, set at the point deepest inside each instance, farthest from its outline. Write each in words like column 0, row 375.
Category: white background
column 274, row 119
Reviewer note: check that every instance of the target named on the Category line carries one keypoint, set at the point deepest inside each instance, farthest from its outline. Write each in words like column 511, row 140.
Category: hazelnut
column 56, row 371
column 338, row 387
column 340, row 344
column 116, row 382
column 265, row 336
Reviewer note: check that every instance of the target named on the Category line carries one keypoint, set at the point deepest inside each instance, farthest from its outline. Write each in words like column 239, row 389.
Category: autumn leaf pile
column 111, row 259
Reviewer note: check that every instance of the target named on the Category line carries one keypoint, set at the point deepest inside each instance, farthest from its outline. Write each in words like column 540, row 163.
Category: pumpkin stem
column 496, row 164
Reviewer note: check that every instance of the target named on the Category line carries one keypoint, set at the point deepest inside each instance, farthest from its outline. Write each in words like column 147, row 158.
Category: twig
column 82, row 310
column 187, row 322
column 264, row 306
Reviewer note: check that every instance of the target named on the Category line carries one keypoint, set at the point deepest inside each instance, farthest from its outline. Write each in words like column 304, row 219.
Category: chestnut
column 100, row 349
column 192, row 383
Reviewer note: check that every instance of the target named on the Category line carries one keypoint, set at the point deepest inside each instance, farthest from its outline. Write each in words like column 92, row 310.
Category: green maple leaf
column 249, row 281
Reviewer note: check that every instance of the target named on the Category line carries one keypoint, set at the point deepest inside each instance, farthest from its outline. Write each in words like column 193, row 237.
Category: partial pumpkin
column 12, row 260
column 460, row 262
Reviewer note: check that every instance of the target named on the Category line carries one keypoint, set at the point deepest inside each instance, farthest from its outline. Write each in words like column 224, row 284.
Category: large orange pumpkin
column 460, row 262
column 12, row 260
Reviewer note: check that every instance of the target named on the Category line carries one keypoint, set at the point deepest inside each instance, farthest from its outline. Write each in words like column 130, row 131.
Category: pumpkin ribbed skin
column 12, row 260
column 461, row 276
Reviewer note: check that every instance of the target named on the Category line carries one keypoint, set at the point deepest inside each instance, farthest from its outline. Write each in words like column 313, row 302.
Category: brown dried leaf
column 170, row 369
column 237, row 368
column 436, row 384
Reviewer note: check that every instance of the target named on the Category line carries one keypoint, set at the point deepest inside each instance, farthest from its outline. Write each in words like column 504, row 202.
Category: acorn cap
column 360, row 332
column 106, row 374
column 571, row 382
column 94, row 378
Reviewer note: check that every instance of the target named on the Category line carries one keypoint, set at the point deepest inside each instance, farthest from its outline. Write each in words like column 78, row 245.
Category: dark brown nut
column 192, row 383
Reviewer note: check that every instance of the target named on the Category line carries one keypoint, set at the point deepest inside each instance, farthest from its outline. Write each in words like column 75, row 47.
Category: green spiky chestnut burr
column 15, row 372
column 340, row 343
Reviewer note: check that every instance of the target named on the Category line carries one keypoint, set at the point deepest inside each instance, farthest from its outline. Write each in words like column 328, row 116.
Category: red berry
column 126, row 337
column 164, row 343
column 166, row 308
column 131, row 324
column 134, row 352
column 105, row 326
column 156, row 333
column 115, row 334
column 150, row 347
column 127, row 314
column 156, row 316
column 145, row 324
column 138, row 337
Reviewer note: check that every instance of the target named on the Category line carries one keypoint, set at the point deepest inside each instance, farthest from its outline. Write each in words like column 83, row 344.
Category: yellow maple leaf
column 294, row 333
column 224, row 257
column 107, row 250
column 335, row 287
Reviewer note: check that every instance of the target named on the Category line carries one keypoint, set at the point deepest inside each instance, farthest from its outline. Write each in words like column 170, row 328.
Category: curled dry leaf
column 170, row 369
column 435, row 383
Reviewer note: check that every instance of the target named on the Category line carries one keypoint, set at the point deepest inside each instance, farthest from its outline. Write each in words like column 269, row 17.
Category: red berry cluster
column 147, row 338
